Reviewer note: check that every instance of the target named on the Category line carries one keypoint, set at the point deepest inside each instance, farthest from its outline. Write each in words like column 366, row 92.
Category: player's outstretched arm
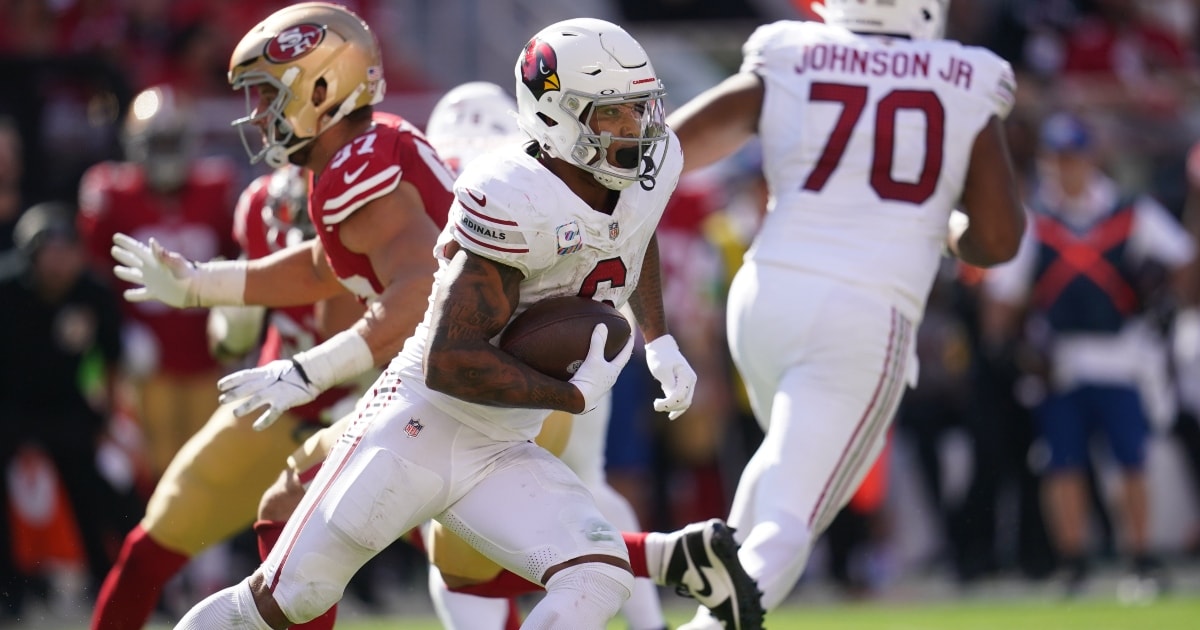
column 296, row 275
column 666, row 363
column 996, row 218
column 397, row 236
column 719, row 121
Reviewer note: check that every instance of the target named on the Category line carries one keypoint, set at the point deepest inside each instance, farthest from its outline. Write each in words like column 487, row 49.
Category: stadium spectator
column 57, row 320
column 1080, row 275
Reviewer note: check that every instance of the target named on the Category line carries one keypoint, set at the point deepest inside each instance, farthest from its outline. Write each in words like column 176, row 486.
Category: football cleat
column 704, row 565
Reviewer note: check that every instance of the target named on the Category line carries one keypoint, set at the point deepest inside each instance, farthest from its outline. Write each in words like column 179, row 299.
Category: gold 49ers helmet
column 285, row 58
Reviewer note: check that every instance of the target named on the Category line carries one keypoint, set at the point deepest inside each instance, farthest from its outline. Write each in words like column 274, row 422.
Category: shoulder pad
column 493, row 217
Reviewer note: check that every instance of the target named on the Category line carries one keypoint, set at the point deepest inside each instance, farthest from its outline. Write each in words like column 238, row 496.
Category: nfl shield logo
column 614, row 230
column 413, row 428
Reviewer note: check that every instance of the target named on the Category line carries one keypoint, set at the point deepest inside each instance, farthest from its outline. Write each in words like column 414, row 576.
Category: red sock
column 514, row 615
column 636, row 542
column 268, row 534
column 132, row 587
column 505, row 585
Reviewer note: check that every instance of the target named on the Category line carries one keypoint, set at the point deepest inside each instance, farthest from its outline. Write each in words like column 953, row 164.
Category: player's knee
column 281, row 499
column 308, row 600
column 598, row 585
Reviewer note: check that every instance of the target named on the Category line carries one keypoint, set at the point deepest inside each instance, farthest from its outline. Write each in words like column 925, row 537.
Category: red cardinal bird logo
column 539, row 68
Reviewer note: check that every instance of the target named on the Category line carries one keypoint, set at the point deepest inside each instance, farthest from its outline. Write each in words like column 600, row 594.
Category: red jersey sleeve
column 249, row 230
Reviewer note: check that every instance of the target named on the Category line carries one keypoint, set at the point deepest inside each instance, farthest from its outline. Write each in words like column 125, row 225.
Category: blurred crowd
column 1107, row 118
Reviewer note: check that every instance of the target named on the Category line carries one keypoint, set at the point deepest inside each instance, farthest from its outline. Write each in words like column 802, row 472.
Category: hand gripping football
column 553, row 335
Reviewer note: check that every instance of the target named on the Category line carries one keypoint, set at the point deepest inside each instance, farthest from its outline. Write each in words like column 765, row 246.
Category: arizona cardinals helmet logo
column 539, row 68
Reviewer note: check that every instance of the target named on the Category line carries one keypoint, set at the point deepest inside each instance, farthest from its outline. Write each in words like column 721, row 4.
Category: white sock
column 460, row 611
column 643, row 610
column 229, row 609
column 658, row 549
column 581, row 597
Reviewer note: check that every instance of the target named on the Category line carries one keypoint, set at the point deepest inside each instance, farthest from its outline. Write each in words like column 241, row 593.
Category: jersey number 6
column 854, row 99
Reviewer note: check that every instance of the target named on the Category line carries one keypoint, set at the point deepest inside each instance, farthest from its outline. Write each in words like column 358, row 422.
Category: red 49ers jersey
column 367, row 168
column 291, row 329
column 195, row 222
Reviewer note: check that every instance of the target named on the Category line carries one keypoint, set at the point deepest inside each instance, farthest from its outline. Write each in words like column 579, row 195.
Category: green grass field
column 1168, row 614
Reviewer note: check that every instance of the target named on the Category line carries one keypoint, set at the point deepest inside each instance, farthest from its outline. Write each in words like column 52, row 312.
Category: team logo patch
column 294, row 43
column 539, row 68
column 570, row 238
column 413, row 428
column 614, row 230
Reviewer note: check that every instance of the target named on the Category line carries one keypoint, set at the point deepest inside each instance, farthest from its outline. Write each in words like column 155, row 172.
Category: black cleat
column 704, row 566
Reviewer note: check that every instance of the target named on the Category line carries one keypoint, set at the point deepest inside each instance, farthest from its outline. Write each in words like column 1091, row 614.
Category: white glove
column 279, row 385
column 164, row 275
column 174, row 280
column 596, row 375
column 672, row 371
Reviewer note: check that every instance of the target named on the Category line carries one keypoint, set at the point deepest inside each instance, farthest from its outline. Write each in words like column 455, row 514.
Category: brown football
column 553, row 335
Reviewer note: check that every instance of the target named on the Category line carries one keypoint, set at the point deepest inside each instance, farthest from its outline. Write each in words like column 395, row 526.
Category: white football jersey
column 866, row 143
column 511, row 209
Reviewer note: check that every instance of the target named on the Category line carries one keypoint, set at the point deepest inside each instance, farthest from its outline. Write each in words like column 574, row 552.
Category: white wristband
column 221, row 282
column 342, row 356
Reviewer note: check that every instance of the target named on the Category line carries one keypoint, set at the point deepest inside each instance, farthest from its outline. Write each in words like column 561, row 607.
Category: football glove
column 596, row 375
column 672, row 371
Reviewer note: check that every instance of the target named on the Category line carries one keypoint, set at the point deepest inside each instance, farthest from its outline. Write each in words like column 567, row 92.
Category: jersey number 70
column 854, row 100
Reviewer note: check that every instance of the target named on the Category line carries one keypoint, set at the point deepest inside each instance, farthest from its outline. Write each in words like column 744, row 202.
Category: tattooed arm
column 646, row 301
column 472, row 306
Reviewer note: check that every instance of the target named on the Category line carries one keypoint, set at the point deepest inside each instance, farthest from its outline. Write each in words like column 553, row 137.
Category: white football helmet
column 918, row 19
column 470, row 120
column 286, row 209
column 568, row 70
column 293, row 51
column 160, row 135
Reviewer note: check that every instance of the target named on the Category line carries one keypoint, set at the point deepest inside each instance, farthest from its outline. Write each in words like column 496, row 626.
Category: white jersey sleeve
column 492, row 217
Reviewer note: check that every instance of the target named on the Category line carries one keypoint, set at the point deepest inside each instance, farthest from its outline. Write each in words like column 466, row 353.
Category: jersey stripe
column 509, row 250
column 351, row 196
column 487, row 218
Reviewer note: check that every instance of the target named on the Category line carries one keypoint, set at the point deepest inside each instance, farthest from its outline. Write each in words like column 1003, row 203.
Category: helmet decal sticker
column 294, row 43
column 539, row 68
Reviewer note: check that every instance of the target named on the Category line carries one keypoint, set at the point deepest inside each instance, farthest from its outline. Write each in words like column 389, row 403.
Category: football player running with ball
column 872, row 132
column 466, row 123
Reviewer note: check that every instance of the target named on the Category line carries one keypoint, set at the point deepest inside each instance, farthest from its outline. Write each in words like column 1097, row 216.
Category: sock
column 636, row 542
column 131, row 589
column 460, row 611
column 229, row 609
column 268, row 533
column 506, row 584
column 513, row 622
column 648, row 554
